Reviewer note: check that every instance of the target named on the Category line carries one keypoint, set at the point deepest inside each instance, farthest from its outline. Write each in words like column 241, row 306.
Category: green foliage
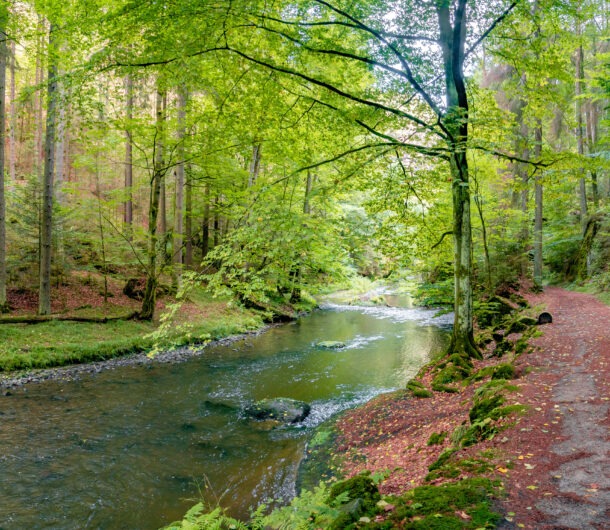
column 453, row 369
column 436, row 507
column 417, row 389
column 197, row 518
column 437, row 438
column 435, row 294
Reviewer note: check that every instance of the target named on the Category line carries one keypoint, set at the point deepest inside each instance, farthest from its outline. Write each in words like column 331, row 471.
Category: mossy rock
column 330, row 344
column 503, row 347
column 492, row 311
column 520, row 325
column 450, row 373
column 363, row 496
column 503, row 371
column 284, row 410
column 483, row 407
column 418, row 390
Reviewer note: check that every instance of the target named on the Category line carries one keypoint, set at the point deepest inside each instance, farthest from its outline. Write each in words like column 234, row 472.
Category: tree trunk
column 150, row 291
column 3, row 61
column 452, row 38
column 582, row 186
column 188, row 229
column 255, row 164
column 128, row 204
column 13, row 113
column 308, row 188
column 39, row 156
column 205, row 232
column 46, row 228
column 538, row 209
column 160, row 151
column 179, row 211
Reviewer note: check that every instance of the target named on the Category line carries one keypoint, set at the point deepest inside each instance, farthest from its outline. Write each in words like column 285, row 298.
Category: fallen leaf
column 532, row 487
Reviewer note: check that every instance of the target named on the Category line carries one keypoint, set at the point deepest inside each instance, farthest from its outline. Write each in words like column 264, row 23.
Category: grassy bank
column 58, row 343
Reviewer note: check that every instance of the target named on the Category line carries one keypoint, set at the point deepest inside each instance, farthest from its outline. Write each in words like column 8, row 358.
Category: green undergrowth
column 59, row 343
column 356, row 504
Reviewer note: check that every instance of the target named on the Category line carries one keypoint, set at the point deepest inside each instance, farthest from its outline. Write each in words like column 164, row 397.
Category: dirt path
column 566, row 481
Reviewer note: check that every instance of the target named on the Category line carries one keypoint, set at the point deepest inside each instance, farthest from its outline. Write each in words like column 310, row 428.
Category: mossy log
column 37, row 319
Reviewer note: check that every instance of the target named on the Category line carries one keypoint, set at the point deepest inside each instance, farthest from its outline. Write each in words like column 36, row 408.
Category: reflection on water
column 134, row 447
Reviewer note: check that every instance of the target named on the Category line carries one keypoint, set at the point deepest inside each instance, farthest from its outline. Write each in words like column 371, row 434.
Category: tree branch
column 441, row 239
column 493, row 25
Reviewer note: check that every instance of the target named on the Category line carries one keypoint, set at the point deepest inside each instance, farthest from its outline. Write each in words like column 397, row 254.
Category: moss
column 520, row 325
column 418, row 390
column 442, row 459
column 362, row 497
column 479, row 431
column 503, row 371
column 482, row 408
column 435, row 507
column 437, row 438
column 453, row 369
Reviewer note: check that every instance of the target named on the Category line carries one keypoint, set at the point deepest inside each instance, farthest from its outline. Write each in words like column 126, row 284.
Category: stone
column 331, row 344
column 545, row 318
column 284, row 410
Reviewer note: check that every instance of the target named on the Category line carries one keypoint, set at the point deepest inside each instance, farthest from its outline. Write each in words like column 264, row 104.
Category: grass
column 58, row 343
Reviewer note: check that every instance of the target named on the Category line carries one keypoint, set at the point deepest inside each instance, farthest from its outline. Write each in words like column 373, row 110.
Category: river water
column 134, row 447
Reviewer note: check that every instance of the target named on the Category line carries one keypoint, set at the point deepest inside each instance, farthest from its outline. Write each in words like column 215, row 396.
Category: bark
column 308, row 188
column 13, row 114
column 255, row 164
column 179, row 211
column 160, row 151
column 46, row 228
column 538, row 210
column 205, row 232
column 150, row 291
column 3, row 61
column 188, row 229
column 216, row 221
column 39, row 156
column 452, row 38
column 592, row 125
column 128, row 205
column 582, row 186
column 53, row 318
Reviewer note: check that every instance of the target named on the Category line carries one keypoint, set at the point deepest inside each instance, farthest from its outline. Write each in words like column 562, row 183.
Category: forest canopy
column 268, row 149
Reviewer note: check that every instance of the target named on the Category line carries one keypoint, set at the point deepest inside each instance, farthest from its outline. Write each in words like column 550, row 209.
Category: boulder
column 331, row 344
column 284, row 410
column 544, row 318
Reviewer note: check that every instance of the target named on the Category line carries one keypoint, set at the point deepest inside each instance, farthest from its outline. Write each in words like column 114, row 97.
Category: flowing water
column 134, row 447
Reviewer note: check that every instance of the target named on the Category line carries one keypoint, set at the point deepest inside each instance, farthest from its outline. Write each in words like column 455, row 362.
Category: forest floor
column 26, row 346
column 552, row 459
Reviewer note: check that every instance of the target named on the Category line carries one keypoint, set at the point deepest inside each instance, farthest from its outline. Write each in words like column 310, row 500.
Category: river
column 134, row 447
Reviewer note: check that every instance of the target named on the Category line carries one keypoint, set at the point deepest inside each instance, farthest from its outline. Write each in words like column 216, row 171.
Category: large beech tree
column 396, row 68
column 419, row 103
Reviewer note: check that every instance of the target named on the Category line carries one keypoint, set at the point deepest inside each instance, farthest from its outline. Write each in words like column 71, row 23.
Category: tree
column 46, row 226
column 3, row 65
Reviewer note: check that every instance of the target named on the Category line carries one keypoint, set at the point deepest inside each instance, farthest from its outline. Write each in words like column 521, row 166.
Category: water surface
column 134, row 447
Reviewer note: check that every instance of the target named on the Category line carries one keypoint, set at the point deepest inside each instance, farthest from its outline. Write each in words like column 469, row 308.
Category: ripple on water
column 397, row 314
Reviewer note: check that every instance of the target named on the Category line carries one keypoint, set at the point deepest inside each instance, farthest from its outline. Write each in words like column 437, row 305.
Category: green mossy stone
column 331, row 344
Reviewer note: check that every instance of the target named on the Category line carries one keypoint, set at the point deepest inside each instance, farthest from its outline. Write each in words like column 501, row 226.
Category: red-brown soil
column 553, row 460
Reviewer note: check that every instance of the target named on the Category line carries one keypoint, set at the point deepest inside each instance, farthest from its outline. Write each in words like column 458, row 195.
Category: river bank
column 541, row 434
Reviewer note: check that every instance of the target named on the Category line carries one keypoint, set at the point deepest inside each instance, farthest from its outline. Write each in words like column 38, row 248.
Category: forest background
column 258, row 152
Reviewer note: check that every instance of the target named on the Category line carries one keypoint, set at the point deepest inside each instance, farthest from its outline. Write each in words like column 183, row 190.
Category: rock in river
column 331, row 344
column 284, row 410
